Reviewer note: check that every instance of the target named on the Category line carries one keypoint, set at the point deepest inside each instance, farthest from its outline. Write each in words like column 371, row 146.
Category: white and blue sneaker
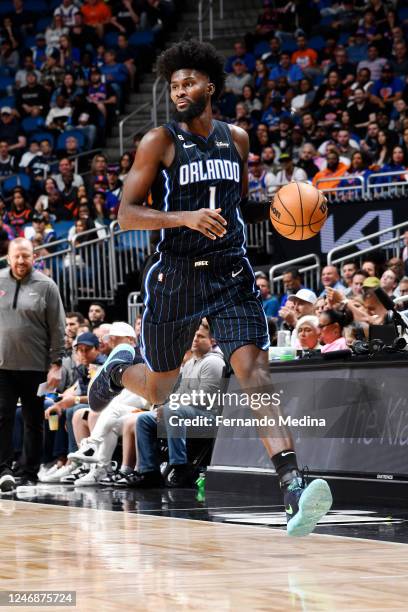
column 101, row 389
column 305, row 505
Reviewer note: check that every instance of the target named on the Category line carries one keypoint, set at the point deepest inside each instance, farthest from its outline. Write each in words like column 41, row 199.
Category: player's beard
column 194, row 110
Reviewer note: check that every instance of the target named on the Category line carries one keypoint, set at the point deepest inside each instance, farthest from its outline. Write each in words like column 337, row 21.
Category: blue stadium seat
column 289, row 45
column 110, row 39
column 327, row 20
column 43, row 23
column 42, row 136
column 403, row 13
column 317, row 43
column 5, row 71
column 261, row 48
column 318, row 79
column 141, row 39
column 78, row 134
column 5, row 82
column 6, row 6
column 29, row 41
column 8, row 101
column 36, row 6
column 19, row 180
column 32, row 124
column 343, row 38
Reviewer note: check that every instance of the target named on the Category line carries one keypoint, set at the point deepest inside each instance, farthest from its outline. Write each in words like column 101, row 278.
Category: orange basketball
column 298, row 211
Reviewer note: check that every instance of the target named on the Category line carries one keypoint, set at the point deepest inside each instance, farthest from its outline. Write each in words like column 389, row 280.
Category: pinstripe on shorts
column 179, row 292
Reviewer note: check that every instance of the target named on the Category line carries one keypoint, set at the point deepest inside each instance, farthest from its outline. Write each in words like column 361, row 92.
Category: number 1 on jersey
column 212, row 197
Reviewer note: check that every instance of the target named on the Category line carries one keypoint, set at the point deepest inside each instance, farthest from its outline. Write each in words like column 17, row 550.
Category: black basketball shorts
column 179, row 292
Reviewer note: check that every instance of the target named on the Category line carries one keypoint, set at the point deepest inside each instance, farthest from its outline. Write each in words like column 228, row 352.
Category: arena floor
column 164, row 550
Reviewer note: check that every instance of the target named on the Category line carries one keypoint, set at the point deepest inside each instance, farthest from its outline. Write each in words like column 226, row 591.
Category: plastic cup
column 53, row 422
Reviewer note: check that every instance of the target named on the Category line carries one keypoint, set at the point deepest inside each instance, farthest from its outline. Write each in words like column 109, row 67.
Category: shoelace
column 305, row 475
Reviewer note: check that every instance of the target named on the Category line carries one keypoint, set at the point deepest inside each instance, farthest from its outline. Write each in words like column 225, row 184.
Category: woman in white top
column 54, row 32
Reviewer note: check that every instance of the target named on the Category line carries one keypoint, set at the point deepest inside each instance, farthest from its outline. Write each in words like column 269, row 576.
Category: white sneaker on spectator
column 80, row 471
column 93, row 477
column 60, row 473
column 46, row 471
column 87, row 452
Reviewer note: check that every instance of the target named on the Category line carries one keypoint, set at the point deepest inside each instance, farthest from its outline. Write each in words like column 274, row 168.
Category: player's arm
column 252, row 211
column 156, row 150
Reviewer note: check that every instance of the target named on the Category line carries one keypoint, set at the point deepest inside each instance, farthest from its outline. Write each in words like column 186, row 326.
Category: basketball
column 298, row 211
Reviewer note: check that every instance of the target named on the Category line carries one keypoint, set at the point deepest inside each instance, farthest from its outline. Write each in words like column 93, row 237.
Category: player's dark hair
column 202, row 57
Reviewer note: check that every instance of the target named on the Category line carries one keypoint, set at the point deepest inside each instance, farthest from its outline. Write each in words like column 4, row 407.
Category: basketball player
column 196, row 170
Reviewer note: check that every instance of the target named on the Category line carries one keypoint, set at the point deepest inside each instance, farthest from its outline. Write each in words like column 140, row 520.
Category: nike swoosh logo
column 288, row 453
column 186, row 146
column 236, row 274
column 289, row 510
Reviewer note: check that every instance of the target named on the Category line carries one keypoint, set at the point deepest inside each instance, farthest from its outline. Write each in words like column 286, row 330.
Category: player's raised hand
column 207, row 221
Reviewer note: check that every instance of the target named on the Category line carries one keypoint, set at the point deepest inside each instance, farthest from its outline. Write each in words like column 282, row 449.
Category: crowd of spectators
column 81, row 447
column 66, row 71
column 321, row 88
column 344, row 303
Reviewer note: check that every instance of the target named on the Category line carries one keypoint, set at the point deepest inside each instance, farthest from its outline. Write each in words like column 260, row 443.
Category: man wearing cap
column 40, row 50
column 10, row 130
column 32, row 324
column 39, row 227
column 289, row 172
column 387, row 89
column 240, row 52
column 304, row 302
column 86, row 353
column 97, row 446
column 114, row 192
column 236, row 81
column 102, row 95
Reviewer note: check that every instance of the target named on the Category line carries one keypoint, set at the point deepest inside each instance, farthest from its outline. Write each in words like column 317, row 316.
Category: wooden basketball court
column 126, row 561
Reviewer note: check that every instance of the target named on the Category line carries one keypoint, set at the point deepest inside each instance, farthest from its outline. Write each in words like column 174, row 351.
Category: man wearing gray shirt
column 32, row 324
column 201, row 379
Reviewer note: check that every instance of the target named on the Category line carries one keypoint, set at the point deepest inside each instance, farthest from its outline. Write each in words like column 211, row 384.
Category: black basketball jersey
column 205, row 173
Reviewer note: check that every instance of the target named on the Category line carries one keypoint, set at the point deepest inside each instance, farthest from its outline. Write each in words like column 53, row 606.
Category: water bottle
column 283, row 337
column 200, row 482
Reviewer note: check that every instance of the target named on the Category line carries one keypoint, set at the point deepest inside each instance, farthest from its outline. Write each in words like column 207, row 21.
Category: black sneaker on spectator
column 113, row 476
column 7, row 481
column 136, row 480
column 180, row 476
